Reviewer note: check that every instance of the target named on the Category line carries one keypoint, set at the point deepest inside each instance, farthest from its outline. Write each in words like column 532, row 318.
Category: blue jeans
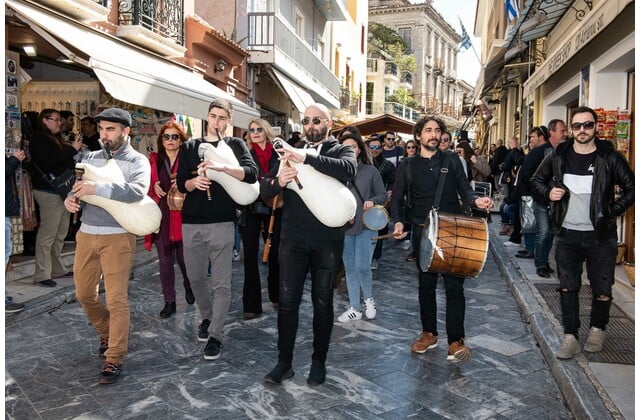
column 544, row 235
column 7, row 241
column 356, row 255
column 529, row 242
column 507, row 213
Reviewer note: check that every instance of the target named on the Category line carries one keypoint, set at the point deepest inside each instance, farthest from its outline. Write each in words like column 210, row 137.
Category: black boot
column 279, row 373
column 317, row 373
column 169, row 308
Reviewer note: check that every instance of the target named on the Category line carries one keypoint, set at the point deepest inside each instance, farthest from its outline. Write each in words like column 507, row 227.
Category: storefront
column 115, row 72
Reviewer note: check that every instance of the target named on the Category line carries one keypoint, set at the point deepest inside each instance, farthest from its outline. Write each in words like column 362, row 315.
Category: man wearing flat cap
column 103, row 246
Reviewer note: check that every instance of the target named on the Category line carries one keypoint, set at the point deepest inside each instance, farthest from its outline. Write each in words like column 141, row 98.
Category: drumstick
column 387, row 236
column 277, row 144
column 79, row 173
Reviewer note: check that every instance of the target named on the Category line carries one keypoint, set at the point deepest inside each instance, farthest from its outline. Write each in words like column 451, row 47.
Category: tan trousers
column 111, row 255
column 54, row 224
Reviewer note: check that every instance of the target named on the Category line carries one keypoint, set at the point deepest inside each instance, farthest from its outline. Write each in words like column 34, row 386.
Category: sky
column 468, row 64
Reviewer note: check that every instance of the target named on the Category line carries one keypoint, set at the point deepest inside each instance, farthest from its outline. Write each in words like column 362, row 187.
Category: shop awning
column 384, row 122
column 131, row 74
column 300, row 97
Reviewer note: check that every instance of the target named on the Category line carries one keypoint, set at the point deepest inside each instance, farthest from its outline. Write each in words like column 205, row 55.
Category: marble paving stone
column 371, row 371
column 497, row 345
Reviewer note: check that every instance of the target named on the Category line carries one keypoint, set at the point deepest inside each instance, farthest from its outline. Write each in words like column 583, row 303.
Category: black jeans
column 454, row 292
column 250, row 232
column 573, row 249
column 322, row 259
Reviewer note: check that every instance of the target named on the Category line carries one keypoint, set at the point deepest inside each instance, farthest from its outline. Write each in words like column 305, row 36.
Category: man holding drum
column 418, row 181
column 306, row 244
column 103, row 245
column 208, row 216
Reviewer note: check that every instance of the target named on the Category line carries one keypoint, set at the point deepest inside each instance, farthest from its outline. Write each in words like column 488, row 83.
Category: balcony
column 157, row 25
column 372, row 65
column 271, row 37
column 82, row 10
column 450, row 74
column 406, row 80
column 392, row 108
column 391, row 69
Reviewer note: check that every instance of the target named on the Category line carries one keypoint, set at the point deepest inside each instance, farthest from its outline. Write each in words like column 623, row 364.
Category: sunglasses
column 256, row 130
column 588, row 125
column 446, row 140
column 171, row 136
column 391, row 138
column 314, row 120
column 411, row 147
column 375, row 147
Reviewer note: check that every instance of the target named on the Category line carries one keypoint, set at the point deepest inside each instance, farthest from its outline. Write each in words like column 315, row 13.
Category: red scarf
column 264, row 156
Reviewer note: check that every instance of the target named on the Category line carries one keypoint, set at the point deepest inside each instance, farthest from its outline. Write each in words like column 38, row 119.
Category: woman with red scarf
column 168, row 240
column 256, row 219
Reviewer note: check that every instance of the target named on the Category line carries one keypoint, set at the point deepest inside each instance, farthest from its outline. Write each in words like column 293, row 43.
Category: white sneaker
column 406, row 245
column 509, row 243
column 374, row 264
column 350, row 314
column 370, row 308
column 570, row 347
column 595, row 340
column 236, row 255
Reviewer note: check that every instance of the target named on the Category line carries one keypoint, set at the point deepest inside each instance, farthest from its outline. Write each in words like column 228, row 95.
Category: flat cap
column 114, row 115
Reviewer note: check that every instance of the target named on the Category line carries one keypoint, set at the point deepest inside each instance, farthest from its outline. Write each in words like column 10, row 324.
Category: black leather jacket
column 610, row 169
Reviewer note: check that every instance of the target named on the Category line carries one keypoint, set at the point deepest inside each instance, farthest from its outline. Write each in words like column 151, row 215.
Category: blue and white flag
column 512, row 10
column 465, row 43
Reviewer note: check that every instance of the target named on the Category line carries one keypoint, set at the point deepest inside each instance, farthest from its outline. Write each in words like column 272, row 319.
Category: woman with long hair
column 369, row 190
column 51, row 155
column 168, row 240
column 477, row 168
column 256, row 219
column 411, row 148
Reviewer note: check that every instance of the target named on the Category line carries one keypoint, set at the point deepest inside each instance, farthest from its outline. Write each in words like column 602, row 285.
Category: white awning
column 132, row 75
column 300, row 97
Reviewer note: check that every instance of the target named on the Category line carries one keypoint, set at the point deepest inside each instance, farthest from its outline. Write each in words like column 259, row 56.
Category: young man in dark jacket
column 308, row 245
column 208, row 216
column 418, row 181
column 579, row 179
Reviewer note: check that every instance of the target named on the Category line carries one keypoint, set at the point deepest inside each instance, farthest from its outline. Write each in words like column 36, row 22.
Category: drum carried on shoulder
column 454, row 244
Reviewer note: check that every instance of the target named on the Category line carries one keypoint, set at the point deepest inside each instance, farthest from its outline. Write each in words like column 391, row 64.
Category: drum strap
column 443, row 175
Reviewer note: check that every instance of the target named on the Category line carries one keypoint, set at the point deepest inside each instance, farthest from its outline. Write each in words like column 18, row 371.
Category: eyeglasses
column 314, row 120
column 53, row 119
column 375, row 147
column 411, row 147
column 166, row 137
column 588, row 125
column 256, row 130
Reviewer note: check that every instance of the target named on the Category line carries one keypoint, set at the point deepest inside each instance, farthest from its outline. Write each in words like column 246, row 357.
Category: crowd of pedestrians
column 567, row 181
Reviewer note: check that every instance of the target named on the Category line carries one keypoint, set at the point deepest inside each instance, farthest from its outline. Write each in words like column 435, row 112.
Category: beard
column 427, row 144
column 115, row 144
column 585, row 141
column 431, row 148
column 315, row 135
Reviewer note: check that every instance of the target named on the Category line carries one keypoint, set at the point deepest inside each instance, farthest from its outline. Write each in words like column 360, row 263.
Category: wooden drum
column 454, row 244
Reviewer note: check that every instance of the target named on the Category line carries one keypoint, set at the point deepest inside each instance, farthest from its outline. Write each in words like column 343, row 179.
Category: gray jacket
column 371, row 187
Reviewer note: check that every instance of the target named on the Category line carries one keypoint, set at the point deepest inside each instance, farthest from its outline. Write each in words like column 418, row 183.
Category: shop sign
column 579, row 37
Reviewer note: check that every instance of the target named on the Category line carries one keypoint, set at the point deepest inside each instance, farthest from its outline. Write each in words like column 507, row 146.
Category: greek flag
column 512, row 10
column 465, row 43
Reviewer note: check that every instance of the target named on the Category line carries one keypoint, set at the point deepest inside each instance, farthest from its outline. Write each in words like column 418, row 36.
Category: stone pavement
column 52, row 363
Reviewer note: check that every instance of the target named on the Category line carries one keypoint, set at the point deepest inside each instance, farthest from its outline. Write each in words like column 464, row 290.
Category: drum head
column 376, row 218
column 428, row 240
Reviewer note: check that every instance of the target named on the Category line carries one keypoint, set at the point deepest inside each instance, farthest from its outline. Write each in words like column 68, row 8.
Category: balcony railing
column 391, row 68
column 393, row 108
column 268, row 32
column 372, row 65
column 163, row 17
column 407, row 77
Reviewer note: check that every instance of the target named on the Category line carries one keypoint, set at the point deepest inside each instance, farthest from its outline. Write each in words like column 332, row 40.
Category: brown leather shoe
column 458, row 352
column 425, row 342
column 506, row 230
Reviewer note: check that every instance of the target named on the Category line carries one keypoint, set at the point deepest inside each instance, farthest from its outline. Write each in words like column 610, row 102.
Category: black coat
column 11, row 199
column 610, row 169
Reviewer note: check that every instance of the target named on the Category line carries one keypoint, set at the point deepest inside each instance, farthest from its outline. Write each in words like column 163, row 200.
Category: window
column 299, row 23
column 405, row 34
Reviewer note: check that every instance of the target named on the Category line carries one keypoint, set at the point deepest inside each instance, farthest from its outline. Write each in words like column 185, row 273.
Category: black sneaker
column 212, row 349
column 104, row 345
column 110, row 373
column 188, row 296
column 12, row 307
column 279, row 373
column 47, row 283
column 203, row 330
